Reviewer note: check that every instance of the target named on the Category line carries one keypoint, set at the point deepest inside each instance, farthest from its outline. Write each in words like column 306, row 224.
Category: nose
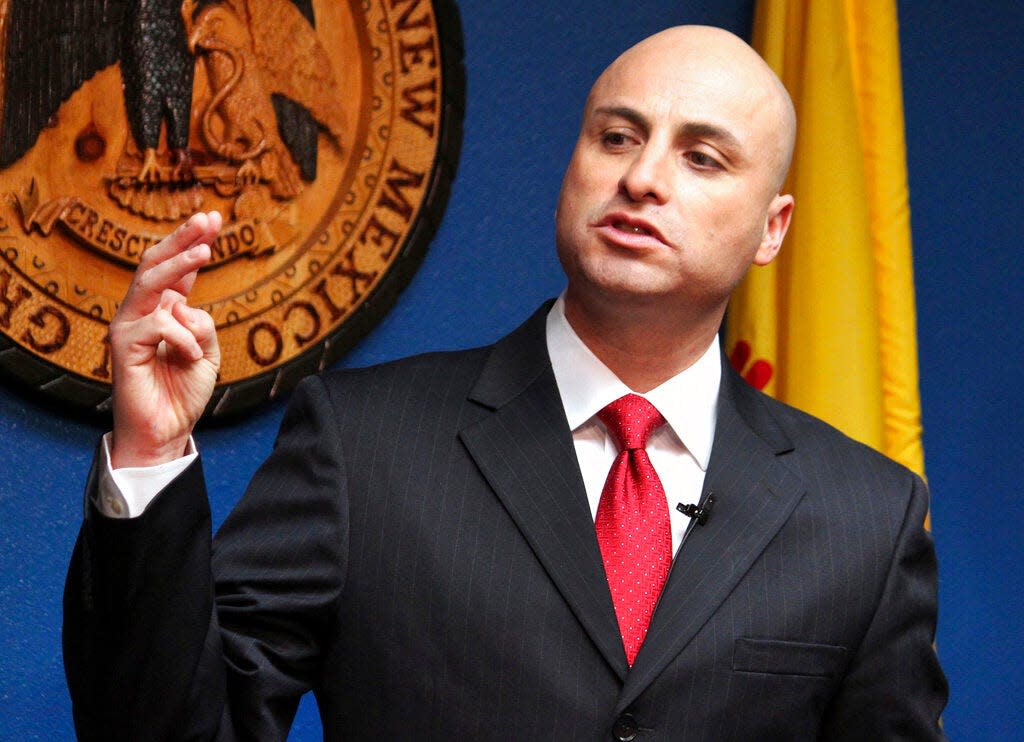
column 648, row 176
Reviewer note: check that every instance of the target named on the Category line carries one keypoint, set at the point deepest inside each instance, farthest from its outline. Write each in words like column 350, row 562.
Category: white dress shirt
column 679, row 450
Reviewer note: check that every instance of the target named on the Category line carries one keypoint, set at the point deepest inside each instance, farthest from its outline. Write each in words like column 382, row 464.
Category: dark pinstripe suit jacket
column 420, row 553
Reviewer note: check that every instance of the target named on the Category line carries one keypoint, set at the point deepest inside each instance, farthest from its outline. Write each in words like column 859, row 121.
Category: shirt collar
column 688, row 401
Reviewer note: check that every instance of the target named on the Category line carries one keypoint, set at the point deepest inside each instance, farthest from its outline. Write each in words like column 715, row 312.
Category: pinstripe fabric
column 419, row 552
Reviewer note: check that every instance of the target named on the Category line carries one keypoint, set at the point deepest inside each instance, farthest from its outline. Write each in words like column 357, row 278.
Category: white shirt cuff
column 127, row 492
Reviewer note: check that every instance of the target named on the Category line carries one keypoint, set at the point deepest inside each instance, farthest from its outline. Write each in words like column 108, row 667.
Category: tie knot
column 631, row 420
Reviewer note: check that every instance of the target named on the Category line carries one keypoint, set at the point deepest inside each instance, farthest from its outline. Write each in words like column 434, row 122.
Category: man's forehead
column 676, row 98
column 675, row 82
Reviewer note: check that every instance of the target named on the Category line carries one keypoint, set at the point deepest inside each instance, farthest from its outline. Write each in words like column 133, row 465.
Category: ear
column 780, row 212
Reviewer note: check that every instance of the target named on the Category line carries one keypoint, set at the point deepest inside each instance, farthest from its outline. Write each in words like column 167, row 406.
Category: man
column 454, row 545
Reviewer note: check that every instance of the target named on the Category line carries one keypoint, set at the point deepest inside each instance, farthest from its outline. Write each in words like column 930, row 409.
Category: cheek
column 568, row 233
column 565, row 217
column 591, row 180
column 737, row 223
column 576, row 205
column 722, row 239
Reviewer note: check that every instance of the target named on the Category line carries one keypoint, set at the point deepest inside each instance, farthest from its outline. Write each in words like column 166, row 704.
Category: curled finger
column 144, row 336
column 202, row 327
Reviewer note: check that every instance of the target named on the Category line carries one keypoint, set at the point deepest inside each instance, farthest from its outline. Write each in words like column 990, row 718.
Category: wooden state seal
column 325, row 131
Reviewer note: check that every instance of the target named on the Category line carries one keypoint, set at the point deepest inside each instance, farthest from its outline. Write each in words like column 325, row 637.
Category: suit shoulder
column 451, row 372
column 411, row 369
column 828, row 447
column 418, row 380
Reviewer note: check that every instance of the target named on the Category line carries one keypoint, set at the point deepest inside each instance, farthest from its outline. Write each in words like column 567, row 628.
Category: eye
column 615, row 140
column 702, row 160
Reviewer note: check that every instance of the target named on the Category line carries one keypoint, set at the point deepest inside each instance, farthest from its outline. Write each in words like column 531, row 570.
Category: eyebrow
column 690, row 130
column 631, row 115
column 703, row 130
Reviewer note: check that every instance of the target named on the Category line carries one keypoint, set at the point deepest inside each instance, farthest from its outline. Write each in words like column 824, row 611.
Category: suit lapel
column 755, row 492
column 524, row 449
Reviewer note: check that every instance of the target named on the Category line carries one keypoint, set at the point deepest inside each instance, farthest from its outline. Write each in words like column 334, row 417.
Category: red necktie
column 633, row 528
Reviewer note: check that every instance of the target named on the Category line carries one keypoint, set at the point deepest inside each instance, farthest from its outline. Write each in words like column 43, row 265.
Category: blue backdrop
column 529, row 65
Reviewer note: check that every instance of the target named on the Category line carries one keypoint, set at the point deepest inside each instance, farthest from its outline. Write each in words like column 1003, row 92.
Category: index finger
column 171, row 264
column 200, row 228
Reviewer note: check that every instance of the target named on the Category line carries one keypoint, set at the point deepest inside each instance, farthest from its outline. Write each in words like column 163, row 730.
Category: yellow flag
column 829, row 327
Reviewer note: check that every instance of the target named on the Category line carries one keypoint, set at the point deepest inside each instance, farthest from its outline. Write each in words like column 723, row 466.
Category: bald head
column 722, row 63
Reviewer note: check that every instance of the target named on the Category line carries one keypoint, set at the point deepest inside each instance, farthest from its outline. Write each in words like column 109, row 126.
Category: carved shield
column 326, row 132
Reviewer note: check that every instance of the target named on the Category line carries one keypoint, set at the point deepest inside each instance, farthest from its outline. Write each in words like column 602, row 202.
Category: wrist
column 125, row 452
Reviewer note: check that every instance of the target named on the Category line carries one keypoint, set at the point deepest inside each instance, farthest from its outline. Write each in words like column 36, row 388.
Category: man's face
column 671, row 192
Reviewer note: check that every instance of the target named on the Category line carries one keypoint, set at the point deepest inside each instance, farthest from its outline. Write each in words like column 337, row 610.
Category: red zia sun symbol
column 758, row 373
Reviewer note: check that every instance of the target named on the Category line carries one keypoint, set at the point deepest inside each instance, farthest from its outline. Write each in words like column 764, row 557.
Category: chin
column 631, row 291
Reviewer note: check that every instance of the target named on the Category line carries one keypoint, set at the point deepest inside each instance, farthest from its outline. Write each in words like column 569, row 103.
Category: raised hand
column 164, row 353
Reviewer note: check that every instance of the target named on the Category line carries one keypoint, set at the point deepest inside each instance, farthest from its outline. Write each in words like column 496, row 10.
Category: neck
column 643, row 346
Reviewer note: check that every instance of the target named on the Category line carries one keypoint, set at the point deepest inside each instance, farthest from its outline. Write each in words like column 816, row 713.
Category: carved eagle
column 49, row 48
column 263, row 63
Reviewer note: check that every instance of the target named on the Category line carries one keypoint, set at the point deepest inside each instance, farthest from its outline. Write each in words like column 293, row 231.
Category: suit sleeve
column 894, row 688
column 169, row 634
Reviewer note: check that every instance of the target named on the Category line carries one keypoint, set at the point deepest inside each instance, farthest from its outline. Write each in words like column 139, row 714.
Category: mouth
column 630, row 231
column 631, row 228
